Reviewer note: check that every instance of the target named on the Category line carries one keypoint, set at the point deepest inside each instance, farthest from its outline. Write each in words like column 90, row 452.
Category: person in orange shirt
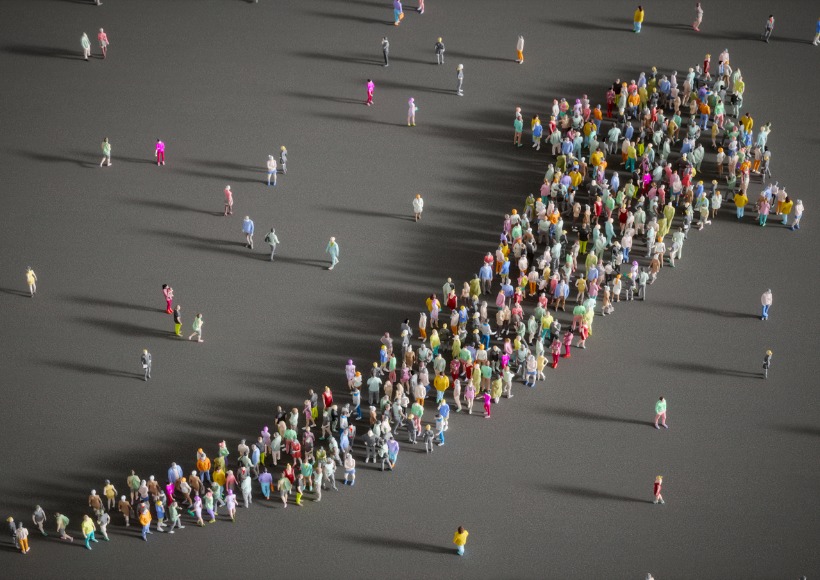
column 203, row 465
column 145, row 522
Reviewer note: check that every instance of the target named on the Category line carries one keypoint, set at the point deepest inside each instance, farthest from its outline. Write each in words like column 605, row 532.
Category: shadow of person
column 588, row 493
column 589, row 416
column 42, row 51
column 398, row 544
column 15, row 292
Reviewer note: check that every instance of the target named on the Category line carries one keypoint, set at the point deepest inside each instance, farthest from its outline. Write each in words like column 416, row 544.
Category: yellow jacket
column 638, row 16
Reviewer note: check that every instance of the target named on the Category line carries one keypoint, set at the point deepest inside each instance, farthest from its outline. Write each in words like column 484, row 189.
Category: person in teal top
column 333, row 250
column 86, row 44
column 518, row 127
column 106, row 151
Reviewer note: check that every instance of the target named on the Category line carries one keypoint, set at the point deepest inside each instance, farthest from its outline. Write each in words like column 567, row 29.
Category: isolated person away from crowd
column 31, row 280
column 698, row 17
column 333, row 250
column 766, row 302
column 460, row 540
column 519, row 50
column 411, row 112
column 370, row 88
column 86, row 44
column 197, row 328
column 103, row 38
column 228, row 201
column 271, row 170
column 418, row 206
column 637, row 19
column 460, row 80
column 159, row 152
column 247, row 229
column 272, row 241
column 106, row 151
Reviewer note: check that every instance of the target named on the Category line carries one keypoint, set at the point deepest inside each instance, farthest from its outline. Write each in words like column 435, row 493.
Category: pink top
column 370, row 87
column 102, row 37
column 228, row 196
column 160, row 146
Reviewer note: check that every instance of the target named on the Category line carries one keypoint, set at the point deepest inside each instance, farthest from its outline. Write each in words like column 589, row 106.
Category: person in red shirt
column 327, row 398
column 657, row 490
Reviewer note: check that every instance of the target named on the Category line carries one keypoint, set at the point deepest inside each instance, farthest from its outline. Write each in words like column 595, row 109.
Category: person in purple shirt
column 398, row 12
column 392, row 452
column 265, row 480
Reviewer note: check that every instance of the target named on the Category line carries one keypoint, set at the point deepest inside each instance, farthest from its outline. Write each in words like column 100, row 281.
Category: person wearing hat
column 439, row 48
column 767, row 363
column 271, row 170
column 656, row 490
column 460, row 80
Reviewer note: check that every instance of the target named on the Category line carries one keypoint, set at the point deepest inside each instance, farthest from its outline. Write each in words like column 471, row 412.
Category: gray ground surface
column 557, row 484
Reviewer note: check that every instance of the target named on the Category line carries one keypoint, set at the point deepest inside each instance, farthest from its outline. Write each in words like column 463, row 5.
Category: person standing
column 418, row 206
column 197, row 327
column 439, row 48
column 420, row 8
column 398, row 12
column 22, row 538
column 370, row 88
column 460, row 80
column 272, row 241
column 145, row 359
column 31, row 280
column 178, row 321
column 656, row 490
column 86, row 44
column 386, row 50
column 168, row 294
column 798, row 213
column 13, row 531
column 767, row 32
column 817, row 33
column 660, row 413
column 283, row 159
column 247, row 229
column 411, row 112
column 766, row 302
column 103, row 38
column 271, row 170
column 106, row 151
column 767, row 363
column 332, row 249
column 460, row 540
column 637, row 19
column 145, row 522
column 698, row 17
column 159, row 152
column 519, row 48
column 228, row 200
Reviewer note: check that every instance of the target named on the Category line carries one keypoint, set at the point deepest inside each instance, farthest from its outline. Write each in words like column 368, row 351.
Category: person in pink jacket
column 159, row 153
column 370, row 88
column 103, row 38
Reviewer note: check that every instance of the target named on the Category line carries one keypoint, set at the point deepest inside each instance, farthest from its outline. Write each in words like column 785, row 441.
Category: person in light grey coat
column 272, row 241
column 460, row 77
column 145, row 359
column 386, row 51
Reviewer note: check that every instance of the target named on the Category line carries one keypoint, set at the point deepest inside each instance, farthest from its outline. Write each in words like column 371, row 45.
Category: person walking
column 637, row 19
column 420, row 8
column 103, row 38
column 159, row 152
column 145, row 359
column 106, row 151
column 418, row 206
column 370, row 88
column 660, row 413
column 178, row 320
column 88, row 528
column 145, row 522
column 39, row 519
column 656, row 490
column 519, row 50
column 767, row 32
column 698, row 17
column 228, row 200
column 460, row 540
column 767, row 363
column 168, row 294
column 766, row 302
column 411, row 112
column 460, row 80
column 31, row 280
column 439, row 48
column 247, row 229
column 283, row 159
column 333, row 250
column 197, row 327
column 271, row 170
column 272, row 241
column 398, row 12
column 386, row 50
column 86, row 44
column 816, row 40
column 62, row 524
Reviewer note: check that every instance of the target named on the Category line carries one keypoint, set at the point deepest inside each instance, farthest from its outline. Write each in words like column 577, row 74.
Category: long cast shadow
column 89, row 369
column 351, row 18
column 167, row 205
column 314, row 96
column 811, row 431
column 588, row 493
column 42, row 51
column 369, row 213
column 586, row 25
column 316, row 263
column 15, row 292
column 398, row 544
column 706, row 369
column 107, row 303
column 706, row 310
column 588, row 416
column 469, row 56
column 358, row 59
column 122, row 328
column 47, row 158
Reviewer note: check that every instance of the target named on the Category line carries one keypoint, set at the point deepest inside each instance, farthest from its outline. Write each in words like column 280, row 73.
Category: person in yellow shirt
column 740, row 202
column 460, row 540
column 637, row 19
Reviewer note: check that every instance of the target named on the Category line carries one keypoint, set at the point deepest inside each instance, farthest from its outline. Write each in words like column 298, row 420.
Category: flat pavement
column 558, row 483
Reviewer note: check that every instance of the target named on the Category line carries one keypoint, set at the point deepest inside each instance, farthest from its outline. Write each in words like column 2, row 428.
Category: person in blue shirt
column 440, row 429
column 485, row 274
column 444, row 411
column 537, row 133
column 247, row 229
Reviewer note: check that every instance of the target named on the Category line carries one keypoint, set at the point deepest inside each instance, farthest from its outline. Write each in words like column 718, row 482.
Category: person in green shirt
column 106, row 151
column 86, row 44
column 518, row 128
column 62, row 525
column 284, row 487
column 660, row 413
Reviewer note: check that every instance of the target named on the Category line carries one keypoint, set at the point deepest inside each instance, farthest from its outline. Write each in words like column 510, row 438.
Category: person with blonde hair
column 418, row 206
column 31, row 280
column 656, row 490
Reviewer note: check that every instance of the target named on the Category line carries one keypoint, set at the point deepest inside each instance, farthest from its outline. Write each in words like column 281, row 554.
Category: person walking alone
column 766, row 303
column 370, row 88
column 637, row 19
column 767, row 32
column 767, row 363
column 411, row 112
column 197, row 328
column 102, row 37
column 271, row 170
column 460, row 540
column 656, row 490
column 228, row 200
column 439, row 48
column 519, row 48
column 31, row 280
column 159, row 152
column 272, row 241
column 660, row 413
column 106, row 151
column 145, row 359
column 386, row 50
column 698, row 17
column 332, row 249
column 247, row 229
column 418, row 206
column 460, row 80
